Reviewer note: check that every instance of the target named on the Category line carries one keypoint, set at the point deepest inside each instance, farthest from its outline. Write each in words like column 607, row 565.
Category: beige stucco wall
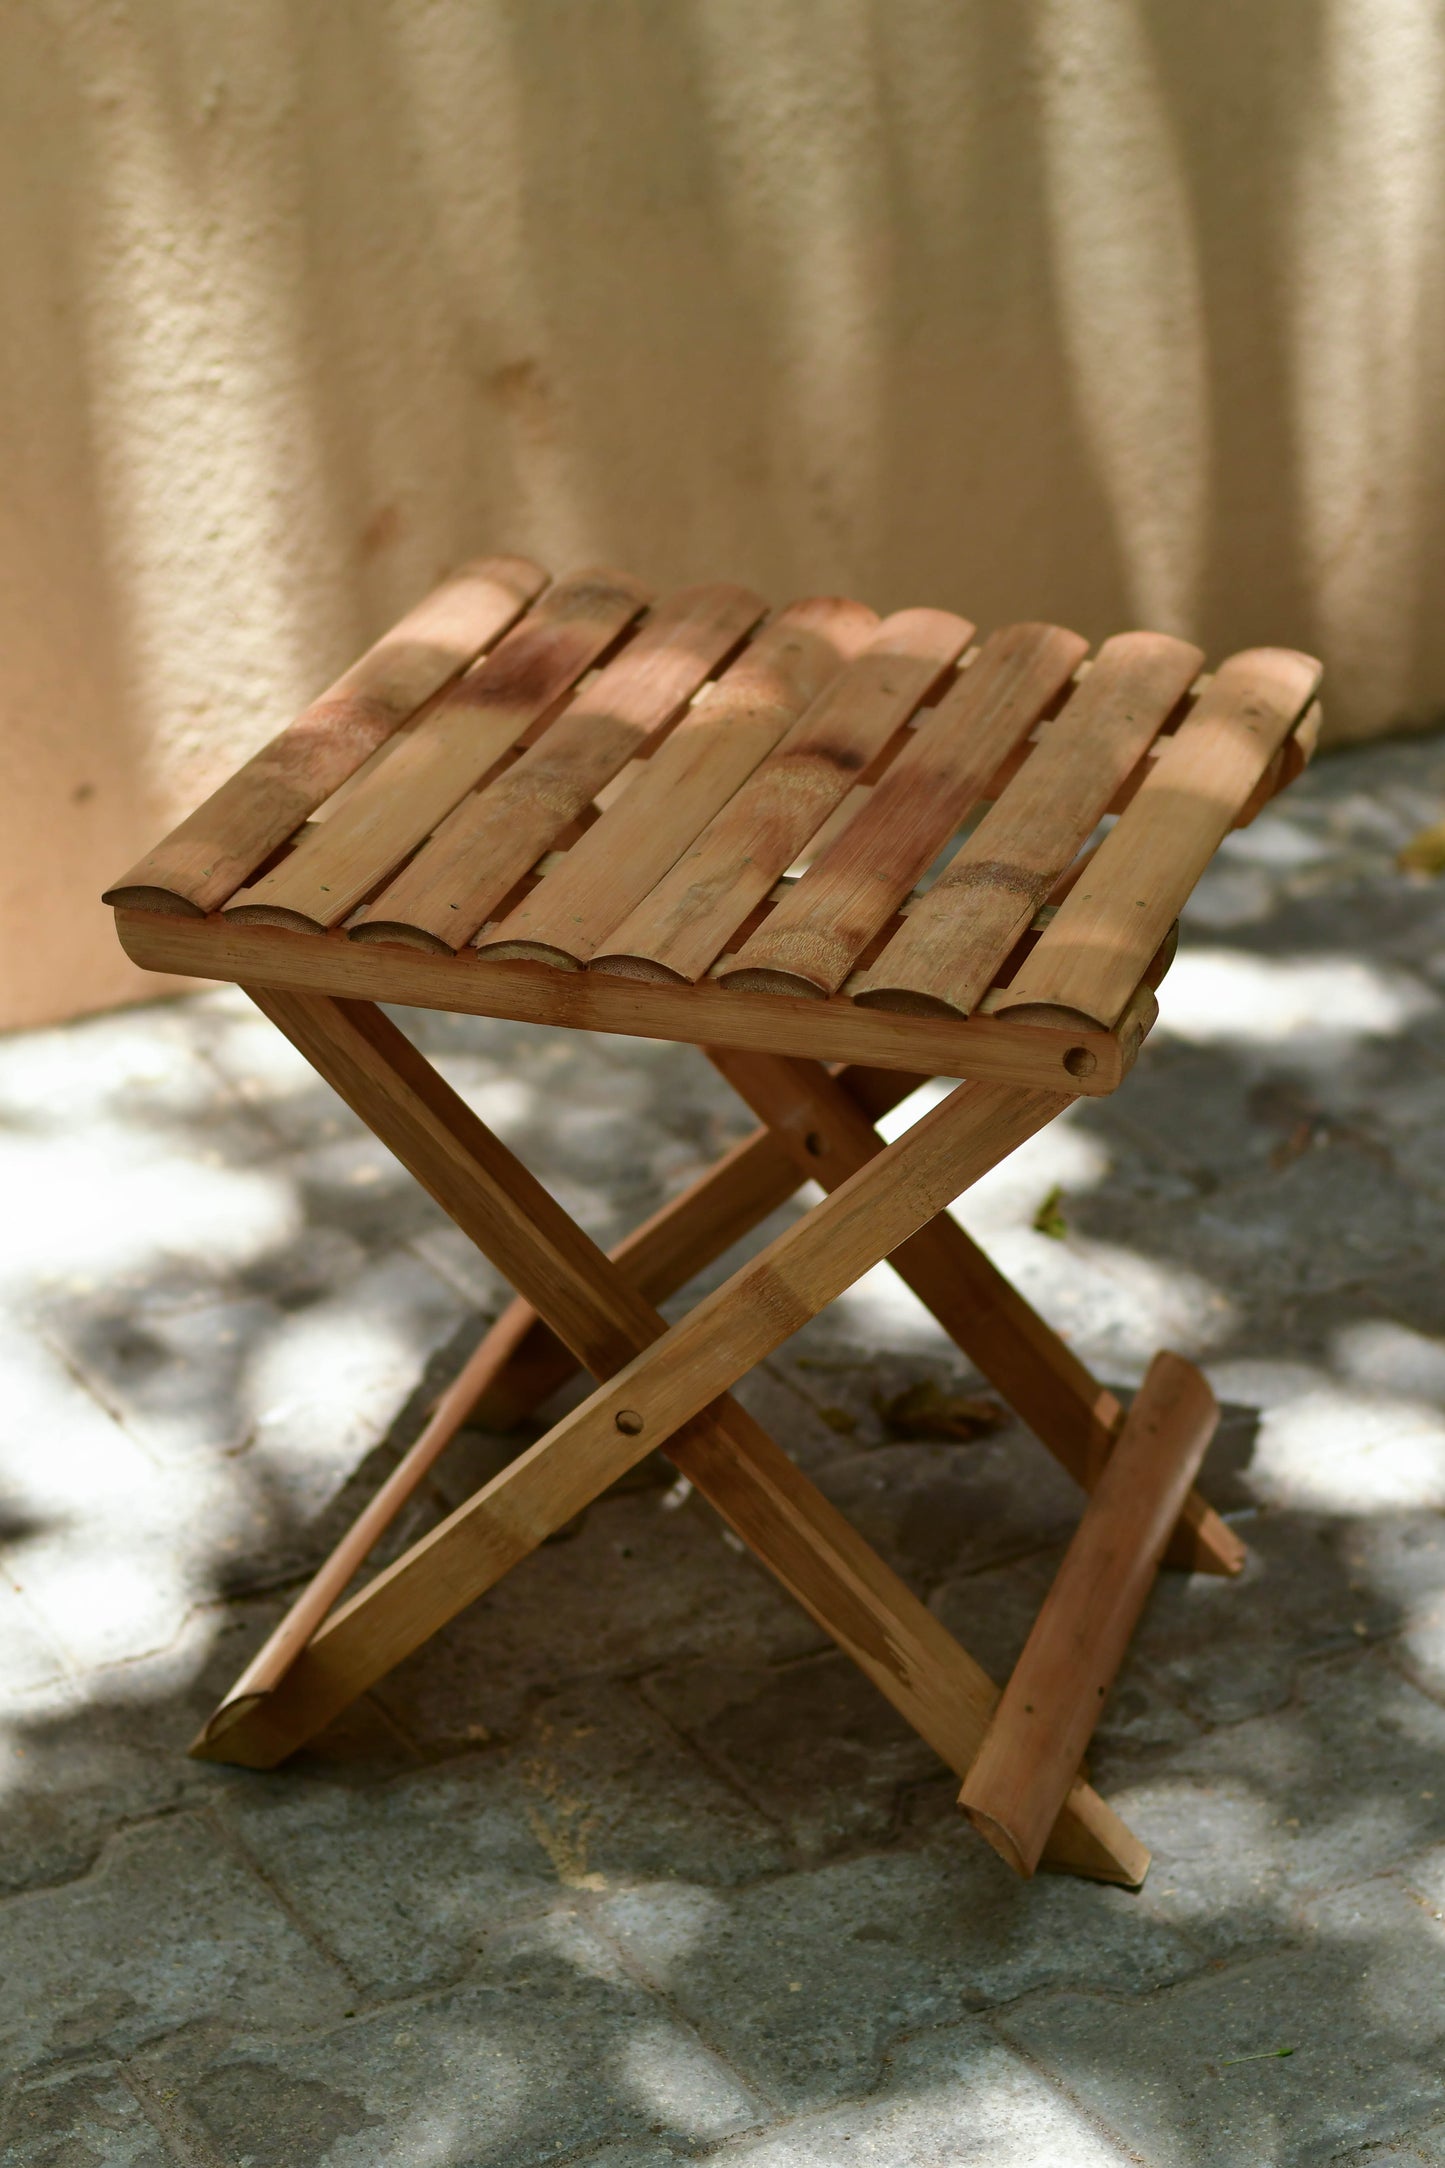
column 1112, row 312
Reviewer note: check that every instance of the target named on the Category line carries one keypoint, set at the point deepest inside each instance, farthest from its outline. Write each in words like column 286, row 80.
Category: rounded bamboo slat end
column 623, row 966
column 758, row 979
column 401, row 935
column 1050, row 1016
column 526, row 952
column 906, row 1001
column 272, row 914
column 137, row 896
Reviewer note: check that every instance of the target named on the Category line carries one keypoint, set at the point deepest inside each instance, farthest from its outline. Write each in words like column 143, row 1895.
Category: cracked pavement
column 627, row 1868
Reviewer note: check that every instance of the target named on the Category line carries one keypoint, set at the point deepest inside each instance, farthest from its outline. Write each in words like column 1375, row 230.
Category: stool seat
column 841, row 854
column 701, row 795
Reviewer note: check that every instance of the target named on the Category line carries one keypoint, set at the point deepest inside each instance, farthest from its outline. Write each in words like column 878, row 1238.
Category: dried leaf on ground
column 1049, row 1220
column 925, row 1410
column 1425, row 852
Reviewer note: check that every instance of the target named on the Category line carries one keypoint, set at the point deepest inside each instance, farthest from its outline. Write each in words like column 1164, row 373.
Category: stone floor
column 627, row 1868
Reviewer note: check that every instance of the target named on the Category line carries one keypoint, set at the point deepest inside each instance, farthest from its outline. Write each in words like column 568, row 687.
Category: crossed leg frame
column 670, row 1388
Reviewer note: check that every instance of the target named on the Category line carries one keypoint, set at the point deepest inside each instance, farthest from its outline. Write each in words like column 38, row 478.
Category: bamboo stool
column 693, row 820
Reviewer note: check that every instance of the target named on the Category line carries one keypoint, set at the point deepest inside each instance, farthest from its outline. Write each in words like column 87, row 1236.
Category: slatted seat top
column 771, row 810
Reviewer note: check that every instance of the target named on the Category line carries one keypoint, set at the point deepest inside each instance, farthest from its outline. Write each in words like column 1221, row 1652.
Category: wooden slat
column 220, row 845
column 855, row 1597
column 483, row 849
column 710, row 753
column 1051, row 1704
column 1289, row 763
column 337, row 864
column 1096, row 949
column 836, row 1030
column 687, row 920
column 811, row 940
column 947, row 951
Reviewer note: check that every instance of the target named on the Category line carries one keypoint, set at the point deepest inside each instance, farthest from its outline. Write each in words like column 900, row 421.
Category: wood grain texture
column 662, row 1388
column 691, row 1231
column 682, row 1238
column 336, row 865
column 948, row 950
column 830, row 1135
column 708, row 756
column 530, row 993
column 728, row 1332
column 811, row 940
column 685, row 922
column 205, row 860
column 1053, row 1700
column 1098, row 946
column 790, row 1526
column 495, row 835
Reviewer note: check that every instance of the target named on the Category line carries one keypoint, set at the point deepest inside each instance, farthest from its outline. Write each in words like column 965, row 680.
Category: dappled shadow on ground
column 627, row 1864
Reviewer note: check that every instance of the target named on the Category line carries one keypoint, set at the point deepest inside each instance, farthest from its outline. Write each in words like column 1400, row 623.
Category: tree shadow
column 746, row 1838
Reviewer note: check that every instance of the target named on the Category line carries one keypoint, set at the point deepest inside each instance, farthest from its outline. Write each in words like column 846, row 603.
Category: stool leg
column 514, row 1369
column 520, row 1361
column 688, row 1233
column 830, row 1138
column 1052, row 1702
column 790, row 1526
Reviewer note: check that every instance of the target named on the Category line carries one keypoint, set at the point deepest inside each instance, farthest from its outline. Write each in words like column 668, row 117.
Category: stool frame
column 236, row 893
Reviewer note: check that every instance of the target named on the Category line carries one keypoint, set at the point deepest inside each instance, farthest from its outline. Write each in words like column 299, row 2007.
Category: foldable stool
column 690, row 819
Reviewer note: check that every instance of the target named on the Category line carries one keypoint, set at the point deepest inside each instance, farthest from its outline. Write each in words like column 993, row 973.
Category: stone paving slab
column 627, row 1868
column 1195, row 2075
column 596, row 1790
column 79, row 2117
column 549, row 2045
column 169, row 1930
column 807, row 1980
column 635, row 1586
column 949, row 2097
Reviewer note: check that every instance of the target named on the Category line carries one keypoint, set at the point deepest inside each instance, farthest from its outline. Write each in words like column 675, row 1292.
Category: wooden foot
column 830, row 1137
column 1051, row 1704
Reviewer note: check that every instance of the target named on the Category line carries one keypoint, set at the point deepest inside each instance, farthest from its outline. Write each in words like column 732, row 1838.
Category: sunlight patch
column 1063, row 1156
column 1222, row 995
column 1389, row 1358
column 108, row 1205
column 678, row 2082
column 502, row 1102
column 1337, row 1451
column 1115, row 1306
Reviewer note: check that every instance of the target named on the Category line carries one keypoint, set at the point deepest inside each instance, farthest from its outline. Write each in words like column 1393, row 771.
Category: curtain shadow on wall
column 1108, row 314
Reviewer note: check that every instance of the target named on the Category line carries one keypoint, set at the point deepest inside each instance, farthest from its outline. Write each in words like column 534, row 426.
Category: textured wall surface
column 1105, row 311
